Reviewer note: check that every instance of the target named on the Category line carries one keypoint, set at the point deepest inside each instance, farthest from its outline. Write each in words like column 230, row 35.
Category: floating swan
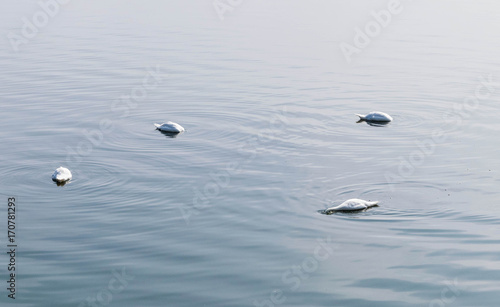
column 170, row 127
column 375, row 117
column 351, row 205
column 61, row 174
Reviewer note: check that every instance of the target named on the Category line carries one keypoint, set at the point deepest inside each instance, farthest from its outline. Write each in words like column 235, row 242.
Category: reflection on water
column 217, row 216
column 171, row 134
column 60, row 183
column 372, row 123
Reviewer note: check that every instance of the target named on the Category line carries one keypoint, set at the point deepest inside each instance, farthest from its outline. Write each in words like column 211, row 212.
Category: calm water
column 226, row 214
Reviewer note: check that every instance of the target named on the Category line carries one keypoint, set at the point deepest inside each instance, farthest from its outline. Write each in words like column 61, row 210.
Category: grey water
column 226, row 214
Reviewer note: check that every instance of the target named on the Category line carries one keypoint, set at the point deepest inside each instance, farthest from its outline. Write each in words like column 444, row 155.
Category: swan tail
column 157, row 126
column 372, row 204
column 361, row 117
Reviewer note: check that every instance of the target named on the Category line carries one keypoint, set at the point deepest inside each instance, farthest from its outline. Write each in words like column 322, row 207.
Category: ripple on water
column 208, row 132
column 403, row 203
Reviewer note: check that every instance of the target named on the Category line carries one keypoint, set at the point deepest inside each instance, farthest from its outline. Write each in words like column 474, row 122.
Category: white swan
column 61, row 174
column 170, row 127
column 352, row 205
column 375, row 117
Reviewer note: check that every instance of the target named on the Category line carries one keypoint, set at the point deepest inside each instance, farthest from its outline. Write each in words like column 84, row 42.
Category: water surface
column 226, row 214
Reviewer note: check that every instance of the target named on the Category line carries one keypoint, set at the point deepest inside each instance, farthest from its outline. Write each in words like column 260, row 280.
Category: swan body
column 170, row 127
column 352, row 205
column 61, row 174
column 375, row 117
